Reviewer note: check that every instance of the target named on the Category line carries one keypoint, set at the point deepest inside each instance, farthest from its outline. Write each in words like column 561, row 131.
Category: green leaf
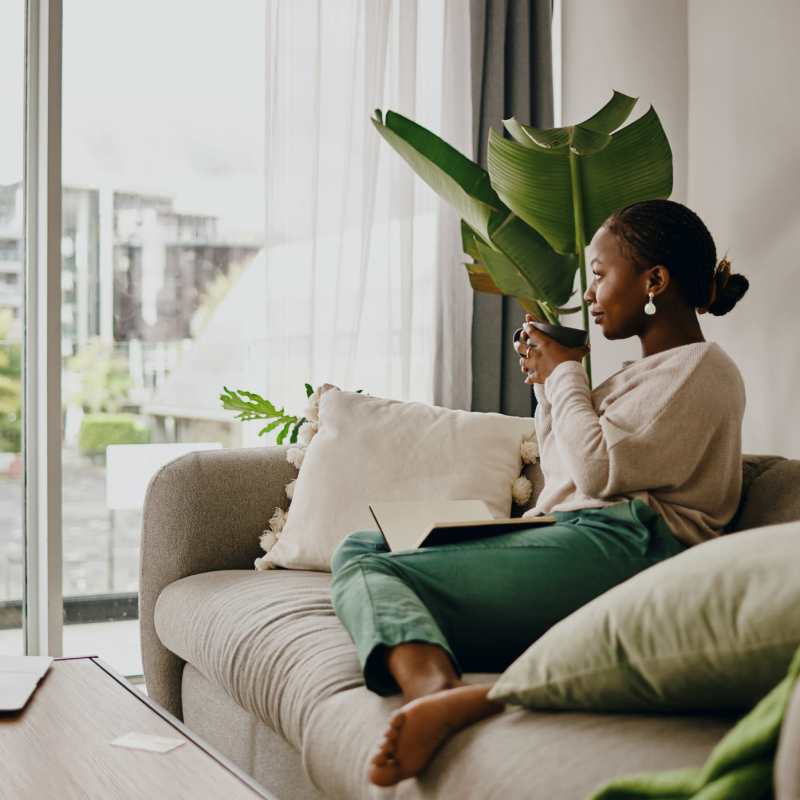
column 586, row 137
column 261, row 404
column 284, row 432
column 584, row 141
column 635, row 163
column 453, row 176
column 539, row 311
column 295, row 429
column 271, row 427
column 309, row 389
column 505, row 274
column 479, row 278
column 535, row 185
column 550, row 274
column 468, row 241
column 252, row 405
column 544, row 139
column 611, row 115
column 524, row 134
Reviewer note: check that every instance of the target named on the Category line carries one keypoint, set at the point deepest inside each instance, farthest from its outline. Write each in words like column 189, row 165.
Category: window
column 158, row 141
column 162, row 214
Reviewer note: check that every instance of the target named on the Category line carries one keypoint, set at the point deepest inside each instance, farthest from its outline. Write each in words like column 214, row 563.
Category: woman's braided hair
column 668, row 233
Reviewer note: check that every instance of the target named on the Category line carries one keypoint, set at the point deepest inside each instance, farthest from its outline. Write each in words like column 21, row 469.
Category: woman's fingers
column 523, row 347
column 528, row 362
column 535, row 337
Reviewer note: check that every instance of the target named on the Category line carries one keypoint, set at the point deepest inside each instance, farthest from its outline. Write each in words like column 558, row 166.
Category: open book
column 407, row 525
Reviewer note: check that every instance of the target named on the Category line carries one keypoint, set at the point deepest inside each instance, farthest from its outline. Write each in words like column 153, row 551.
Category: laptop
column 19, row 676
column 411, row 524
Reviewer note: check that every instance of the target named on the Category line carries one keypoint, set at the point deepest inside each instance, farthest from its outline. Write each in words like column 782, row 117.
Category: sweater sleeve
column 542, row 418
column 652, row 436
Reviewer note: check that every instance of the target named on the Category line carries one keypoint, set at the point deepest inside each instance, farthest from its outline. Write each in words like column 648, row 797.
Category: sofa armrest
column 202, row 512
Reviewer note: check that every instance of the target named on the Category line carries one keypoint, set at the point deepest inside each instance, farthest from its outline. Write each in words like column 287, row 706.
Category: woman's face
column 618, row 291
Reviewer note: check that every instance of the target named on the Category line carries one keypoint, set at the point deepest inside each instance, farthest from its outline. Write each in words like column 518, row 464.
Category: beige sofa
column 258, row 664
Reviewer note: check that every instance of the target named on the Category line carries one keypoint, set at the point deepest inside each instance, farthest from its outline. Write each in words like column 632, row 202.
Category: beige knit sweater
column 665, row 428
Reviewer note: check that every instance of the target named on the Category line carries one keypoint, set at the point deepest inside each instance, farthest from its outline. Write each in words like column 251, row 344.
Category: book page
column 405, row 523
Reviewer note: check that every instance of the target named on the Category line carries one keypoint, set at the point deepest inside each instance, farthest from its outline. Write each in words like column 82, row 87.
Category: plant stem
column 548, row 313
column 580, row 246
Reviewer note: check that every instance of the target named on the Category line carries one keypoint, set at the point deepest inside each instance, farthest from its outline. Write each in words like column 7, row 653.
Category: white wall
column 744, row 181
column 722, row 75
column 639, row 47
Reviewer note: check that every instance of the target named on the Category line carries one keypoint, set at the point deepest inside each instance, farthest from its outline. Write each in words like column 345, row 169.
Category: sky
column 161, row 96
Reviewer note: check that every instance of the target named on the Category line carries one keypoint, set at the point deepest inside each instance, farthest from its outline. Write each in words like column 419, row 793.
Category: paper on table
column 146, row 741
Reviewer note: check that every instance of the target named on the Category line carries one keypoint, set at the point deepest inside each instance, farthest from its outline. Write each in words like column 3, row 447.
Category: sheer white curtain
column 364, row 283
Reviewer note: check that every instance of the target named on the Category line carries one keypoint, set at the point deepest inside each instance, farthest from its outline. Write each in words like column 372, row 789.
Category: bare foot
column 418, row 729
column 426, row 686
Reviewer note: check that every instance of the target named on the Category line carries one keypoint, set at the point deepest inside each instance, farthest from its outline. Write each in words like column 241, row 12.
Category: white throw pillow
column 370, row 449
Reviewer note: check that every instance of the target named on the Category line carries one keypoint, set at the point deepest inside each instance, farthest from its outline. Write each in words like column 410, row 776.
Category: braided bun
column 727, row 289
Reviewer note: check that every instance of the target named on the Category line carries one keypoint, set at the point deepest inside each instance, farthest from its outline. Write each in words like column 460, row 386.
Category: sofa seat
column 271, row 642
column 270, row 639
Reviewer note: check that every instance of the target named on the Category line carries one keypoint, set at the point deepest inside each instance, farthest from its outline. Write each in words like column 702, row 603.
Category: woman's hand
column 540, row 354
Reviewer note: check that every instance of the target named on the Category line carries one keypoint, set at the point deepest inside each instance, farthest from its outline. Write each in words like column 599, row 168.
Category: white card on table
column 146, row 741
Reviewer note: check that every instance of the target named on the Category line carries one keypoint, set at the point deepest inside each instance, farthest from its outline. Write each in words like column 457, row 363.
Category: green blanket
column 739, row 767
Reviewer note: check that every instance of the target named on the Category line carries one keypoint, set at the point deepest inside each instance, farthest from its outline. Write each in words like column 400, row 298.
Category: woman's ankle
column 427, row 685
column 420, row 668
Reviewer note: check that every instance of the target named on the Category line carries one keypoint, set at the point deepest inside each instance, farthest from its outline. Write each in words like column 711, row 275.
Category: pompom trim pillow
column 366, row 449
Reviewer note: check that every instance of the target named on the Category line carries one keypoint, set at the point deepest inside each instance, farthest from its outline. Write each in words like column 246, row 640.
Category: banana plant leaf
column 538, row 173
column 550, row 275
column 522, row 263
column 454, row 177
column 589, row 136
column 479, row 278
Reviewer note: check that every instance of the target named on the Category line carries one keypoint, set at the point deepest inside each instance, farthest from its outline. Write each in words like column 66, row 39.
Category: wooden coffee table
column 59, row 745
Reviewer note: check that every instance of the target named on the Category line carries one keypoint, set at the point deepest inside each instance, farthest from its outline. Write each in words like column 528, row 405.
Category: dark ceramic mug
column 569, row 337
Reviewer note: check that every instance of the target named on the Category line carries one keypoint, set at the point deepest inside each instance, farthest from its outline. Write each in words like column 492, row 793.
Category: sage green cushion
column 712, row 628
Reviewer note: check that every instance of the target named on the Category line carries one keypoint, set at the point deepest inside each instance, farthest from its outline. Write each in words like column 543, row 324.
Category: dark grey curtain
column 511, row 76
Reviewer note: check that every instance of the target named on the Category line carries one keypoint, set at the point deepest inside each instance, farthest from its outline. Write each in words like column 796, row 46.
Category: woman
column 647, row 464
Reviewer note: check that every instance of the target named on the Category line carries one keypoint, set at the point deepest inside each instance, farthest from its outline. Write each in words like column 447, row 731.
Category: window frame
column 43, row 595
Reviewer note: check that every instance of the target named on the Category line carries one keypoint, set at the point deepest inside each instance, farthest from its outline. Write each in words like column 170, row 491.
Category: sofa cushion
column 517, row 754
column 713, row 627
column 769, row 492
column 269, row 639
column 270, row 642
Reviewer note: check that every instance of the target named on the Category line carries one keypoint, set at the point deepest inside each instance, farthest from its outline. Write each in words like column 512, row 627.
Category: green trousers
column 486, row 600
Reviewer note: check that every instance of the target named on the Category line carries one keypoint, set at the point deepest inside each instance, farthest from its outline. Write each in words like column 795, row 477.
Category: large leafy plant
column 526, row 221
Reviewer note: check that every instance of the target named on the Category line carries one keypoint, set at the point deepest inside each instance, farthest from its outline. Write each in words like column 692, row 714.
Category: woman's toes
column 396, row 720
